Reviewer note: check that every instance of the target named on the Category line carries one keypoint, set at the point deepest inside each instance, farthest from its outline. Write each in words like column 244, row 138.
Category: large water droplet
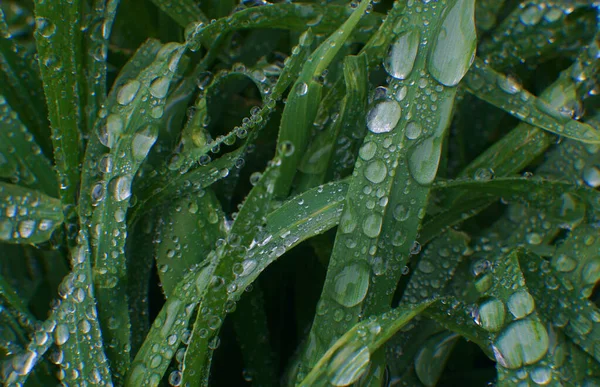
column 61, row 334
column 159, row 87
column 376, row 171
column 127, row 92
column 121, row 187
column 367, row 151
column 348, row 364
column 491, row 315
column 351, row 284
column 143, row 141
column 425, row 155
column 522, row 342
column 384, row 117
column 372, row 225
column 591, row 176
column 521, row 304
column 402, row 54
column 348, row 220
column 532, row 15
column 454, row 45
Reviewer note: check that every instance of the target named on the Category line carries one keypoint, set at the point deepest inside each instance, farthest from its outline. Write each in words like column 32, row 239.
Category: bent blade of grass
column 509, row 96
column 297, row 17
column 392, row 178
column 99, row 21
column 77, row 332
column 318, row 156
column 183, row 12
column 536, row 30
column 22, row 160
column 22, row 86
column 28, row 216
column 58, row 38
column 214, row 292
column 348, row 358
column 577, row 317
column 311, row 213
column 305, row 95
column 129, row 130
column 576, row 260
column 72, row 326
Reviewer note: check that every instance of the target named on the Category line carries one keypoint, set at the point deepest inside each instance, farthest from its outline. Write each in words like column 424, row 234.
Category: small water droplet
column 127, row 92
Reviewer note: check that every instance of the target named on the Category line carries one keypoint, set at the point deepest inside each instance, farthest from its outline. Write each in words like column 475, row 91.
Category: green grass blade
column 22, row 86
column 59, row 46
column 97, row 35
column 215, row 292
column 348, row 358
column 303, row 100
column 392, row 178
column 77, row 331
column 509, row 96
column 578, row 318
column 129, row 130
column 188, row 232
column 538, row 30
column 296, row 17
column 252, row 331
column 319, row 154
column 21, row 158
column 183, row 12
column 302, row 217
column 28, row 216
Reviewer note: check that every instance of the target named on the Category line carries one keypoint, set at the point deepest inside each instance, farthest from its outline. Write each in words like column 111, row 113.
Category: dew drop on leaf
column 403, row 52
column 384, row 117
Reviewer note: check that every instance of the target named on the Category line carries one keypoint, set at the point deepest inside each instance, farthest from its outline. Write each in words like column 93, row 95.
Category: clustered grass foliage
column 367, row 193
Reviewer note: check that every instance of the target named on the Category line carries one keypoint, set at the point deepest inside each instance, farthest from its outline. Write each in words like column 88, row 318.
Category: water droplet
column 384, row 117
column 509, row 84
column 121, row 187
column 372, row 225
column 143, row 141
column 541, row 375
column 45, row 27
column 521, row 304
column 491, row 314
column 454, row 45
column 591, row 176
column 564, row 263
column 425, row 155
column 522, row 342
column 413, row 130
column 61, row 334
column 159, row 87
column 26, row 228
column 127, row 92
column 348, row 220
column 402, row 54
column 301, row 89
column 348, row 364
column 351, row 284
column 531, row 15
column 112, row 131
column 367, row 151
column 376, row 171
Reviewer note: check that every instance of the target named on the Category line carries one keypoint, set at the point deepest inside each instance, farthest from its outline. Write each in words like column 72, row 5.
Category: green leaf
column 348, row 358
column 302, row 217
column 129, row 131
column 28, row 216
column 509, row 96
column 577, row 317
column 303, row 100
column 21, row 158
column 59, row 44
column 392, row 177
column 183, row 12
column 22, row 87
